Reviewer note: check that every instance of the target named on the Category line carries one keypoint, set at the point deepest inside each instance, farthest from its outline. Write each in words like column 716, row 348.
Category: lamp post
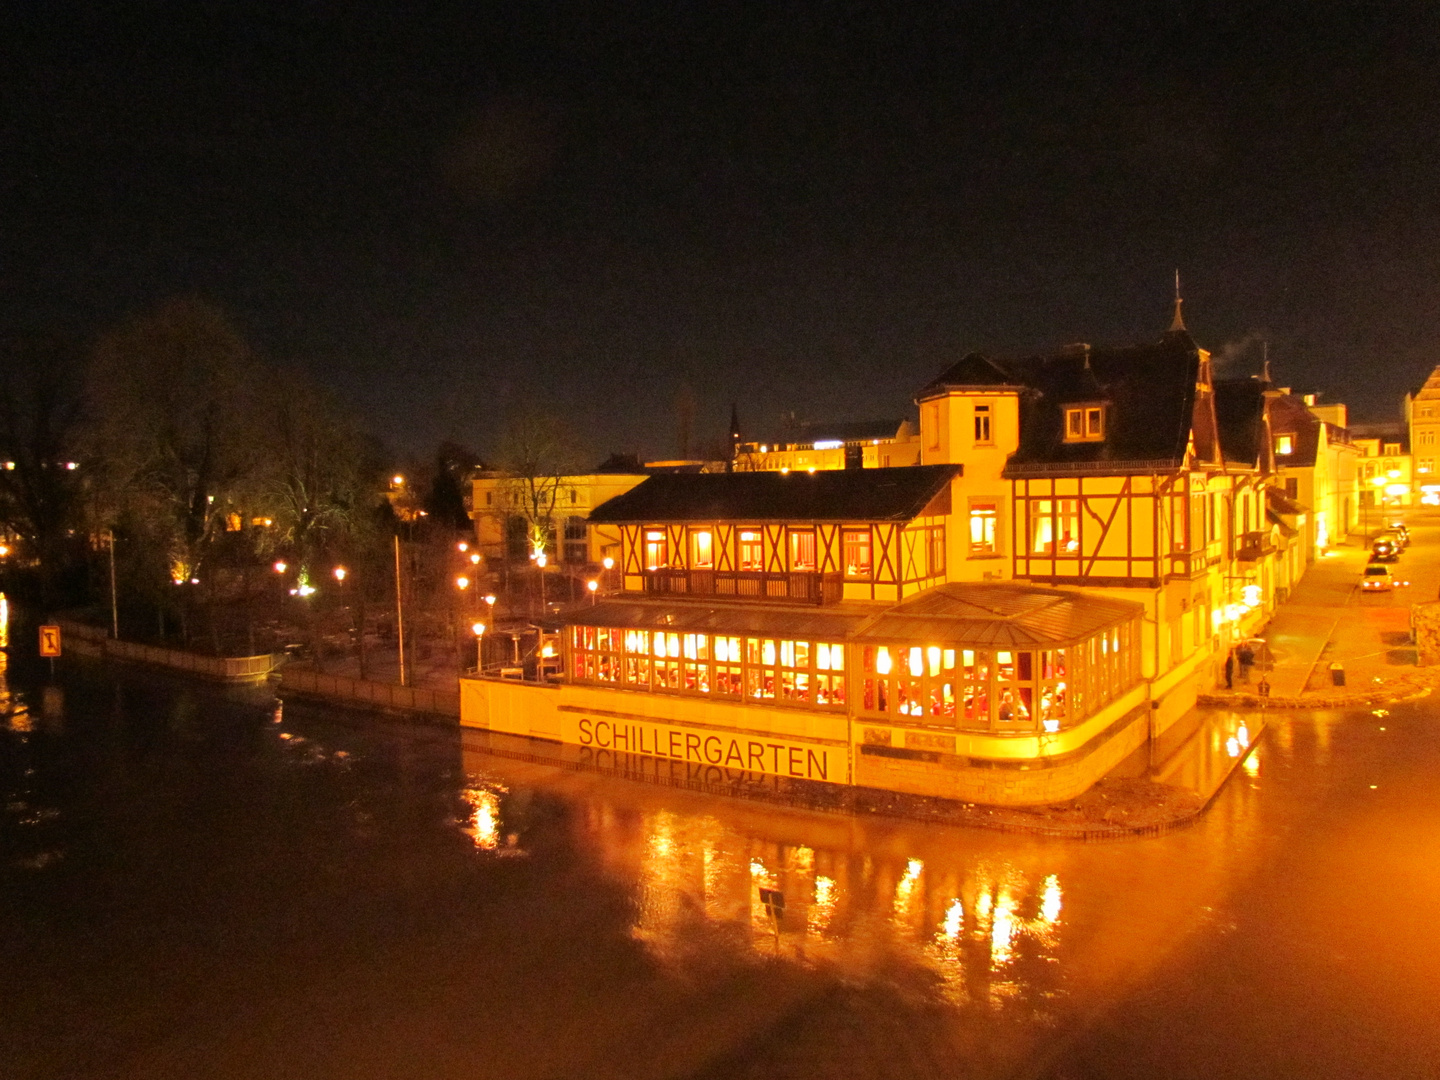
column 609, row 565
column 594, row 587
column 399, row 607
column 478, row 629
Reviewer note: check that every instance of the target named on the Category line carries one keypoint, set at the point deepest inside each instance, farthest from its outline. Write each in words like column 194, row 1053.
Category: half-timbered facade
column 1085, row 535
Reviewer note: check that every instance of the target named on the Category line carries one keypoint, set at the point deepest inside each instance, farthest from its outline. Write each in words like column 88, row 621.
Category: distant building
column 1422, row 422
column 868, row 444
column 1385, row 474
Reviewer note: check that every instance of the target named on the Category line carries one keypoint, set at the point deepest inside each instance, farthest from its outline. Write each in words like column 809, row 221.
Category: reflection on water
column 989, row 929
column 263, row 874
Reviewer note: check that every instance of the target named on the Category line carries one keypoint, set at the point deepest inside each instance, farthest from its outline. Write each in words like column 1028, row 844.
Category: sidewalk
column 1328, row 620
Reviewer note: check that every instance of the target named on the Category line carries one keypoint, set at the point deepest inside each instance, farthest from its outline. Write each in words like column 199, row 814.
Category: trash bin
column 1337, row 675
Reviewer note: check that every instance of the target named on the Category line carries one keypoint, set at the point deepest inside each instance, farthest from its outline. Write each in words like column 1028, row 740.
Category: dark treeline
column 202, row 468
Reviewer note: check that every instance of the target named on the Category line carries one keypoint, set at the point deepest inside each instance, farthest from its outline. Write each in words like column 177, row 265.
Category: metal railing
column 385, row 695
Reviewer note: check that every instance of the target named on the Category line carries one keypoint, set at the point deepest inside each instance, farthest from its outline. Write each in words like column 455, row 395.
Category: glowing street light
column 462, row 547
column 462, row 583
column 608, row 563
column 474, row 558
column 280, row 567
column 340, row 573
column 594, row 587
column 398, row 480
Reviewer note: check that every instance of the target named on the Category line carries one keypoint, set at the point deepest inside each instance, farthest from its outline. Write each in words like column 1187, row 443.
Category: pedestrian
column 1246, row 655
column 1230, row 670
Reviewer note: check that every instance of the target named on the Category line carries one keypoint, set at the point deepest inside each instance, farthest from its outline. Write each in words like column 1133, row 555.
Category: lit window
column 1085, row 423
column 983, row 516
column 857, row 554
column 702, row 549
column 657, row 551
column 802, row 549
column 752, row 551
column 1284, row 444
column 982, row 425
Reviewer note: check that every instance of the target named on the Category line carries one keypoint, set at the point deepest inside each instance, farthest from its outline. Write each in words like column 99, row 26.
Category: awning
column 1281, row 503
column 999, row 615
column 757, row 620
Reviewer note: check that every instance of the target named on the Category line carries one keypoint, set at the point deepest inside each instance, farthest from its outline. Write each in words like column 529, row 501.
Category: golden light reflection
column 822, row 908
column 905, row 889
column 484, row 823
column 4, row 621
column 1252, row 764
column 1050, row 900
column 987, row 929
column 954, row 920
column 1002, row 930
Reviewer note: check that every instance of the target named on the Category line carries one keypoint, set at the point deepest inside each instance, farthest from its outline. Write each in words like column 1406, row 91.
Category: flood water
column 197, row 883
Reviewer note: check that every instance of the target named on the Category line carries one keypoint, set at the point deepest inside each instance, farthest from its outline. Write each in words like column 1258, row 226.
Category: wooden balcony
column 1253, row 546
column 793, row 588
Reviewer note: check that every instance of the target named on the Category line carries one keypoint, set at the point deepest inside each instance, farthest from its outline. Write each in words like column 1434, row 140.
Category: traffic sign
column 50, row 641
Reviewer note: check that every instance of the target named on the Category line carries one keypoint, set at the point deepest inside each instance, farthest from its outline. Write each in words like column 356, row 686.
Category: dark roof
column 1240, row 411
column 999, row 615
column 898, row 494
column 972, row 369
column 1290, row 416
column 1148, row 391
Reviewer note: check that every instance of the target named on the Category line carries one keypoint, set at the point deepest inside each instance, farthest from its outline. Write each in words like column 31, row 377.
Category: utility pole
column 114, row 607
column 399, row 611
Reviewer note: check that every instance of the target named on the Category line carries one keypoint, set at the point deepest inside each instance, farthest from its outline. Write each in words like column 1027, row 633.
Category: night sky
column 449, row 210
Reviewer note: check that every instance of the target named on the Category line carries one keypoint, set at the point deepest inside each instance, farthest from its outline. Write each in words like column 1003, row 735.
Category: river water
column 201, row 883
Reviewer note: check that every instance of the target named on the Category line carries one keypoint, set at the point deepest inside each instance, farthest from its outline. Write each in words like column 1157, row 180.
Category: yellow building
column 1086, row 533
column 1384, row 475
column 503, row 506
column 1422, row 422
column 877, row 444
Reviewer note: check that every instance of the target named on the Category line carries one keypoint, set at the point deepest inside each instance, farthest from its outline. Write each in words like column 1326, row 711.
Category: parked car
column 1399, row 533
column 1378, row 578
column 1385, row 551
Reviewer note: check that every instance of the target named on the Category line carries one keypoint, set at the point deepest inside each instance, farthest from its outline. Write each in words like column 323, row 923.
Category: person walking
column 1230, row 670
column 1246, row 655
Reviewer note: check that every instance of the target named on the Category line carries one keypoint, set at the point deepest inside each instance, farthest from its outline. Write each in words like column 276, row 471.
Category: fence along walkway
column 422, row 699
column 94, row 641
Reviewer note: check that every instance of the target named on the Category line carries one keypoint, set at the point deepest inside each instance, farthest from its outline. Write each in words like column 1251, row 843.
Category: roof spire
column 1265, row 363
column 1177, row 324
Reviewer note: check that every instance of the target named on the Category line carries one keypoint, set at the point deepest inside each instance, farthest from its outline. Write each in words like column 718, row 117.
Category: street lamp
column 340, row 573
column 462, row 583
column 462, row 547
column 594, row 587
column 478, row 629
column 280, row 567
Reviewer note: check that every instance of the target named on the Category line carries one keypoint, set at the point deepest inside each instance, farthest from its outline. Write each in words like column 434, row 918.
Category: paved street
column 1328, row 619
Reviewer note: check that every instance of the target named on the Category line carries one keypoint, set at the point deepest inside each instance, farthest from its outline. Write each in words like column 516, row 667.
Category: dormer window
column 1284, row 444
column 1084, row 423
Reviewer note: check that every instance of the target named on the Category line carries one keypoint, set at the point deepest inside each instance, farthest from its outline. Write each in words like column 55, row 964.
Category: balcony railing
column 805, row 587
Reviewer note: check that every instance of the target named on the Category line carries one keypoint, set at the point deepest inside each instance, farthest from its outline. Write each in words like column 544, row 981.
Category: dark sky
column 449, row 209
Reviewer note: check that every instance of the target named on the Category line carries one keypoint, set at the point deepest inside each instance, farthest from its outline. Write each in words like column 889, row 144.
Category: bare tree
column 176, row 431
column 537, row 459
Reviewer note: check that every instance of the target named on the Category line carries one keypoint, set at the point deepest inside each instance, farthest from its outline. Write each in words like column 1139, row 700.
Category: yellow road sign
column 49, row 641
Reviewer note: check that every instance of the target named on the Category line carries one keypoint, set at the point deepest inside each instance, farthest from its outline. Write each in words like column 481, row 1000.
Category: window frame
column 984, row 416
column 1085, row 421
column 846, row 532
